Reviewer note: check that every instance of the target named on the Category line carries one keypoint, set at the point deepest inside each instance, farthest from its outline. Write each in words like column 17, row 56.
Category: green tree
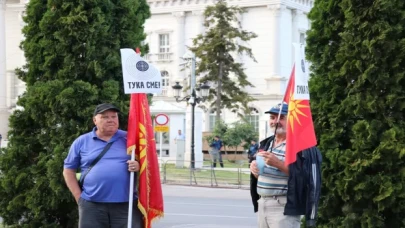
column 240, row 133
column 233, row 135
column 220, row 129
column 216, row 63
column 357, row 53
column 73, row 64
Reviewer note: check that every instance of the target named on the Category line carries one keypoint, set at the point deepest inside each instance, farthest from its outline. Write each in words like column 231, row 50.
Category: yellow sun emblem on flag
column 294, row 109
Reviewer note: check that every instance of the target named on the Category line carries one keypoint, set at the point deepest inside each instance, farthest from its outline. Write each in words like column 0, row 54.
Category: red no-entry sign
column 161, row 119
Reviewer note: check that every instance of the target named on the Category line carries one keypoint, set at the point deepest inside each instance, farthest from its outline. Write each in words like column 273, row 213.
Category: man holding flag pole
column 287, row 167
column 110, row 159
column 102, row 190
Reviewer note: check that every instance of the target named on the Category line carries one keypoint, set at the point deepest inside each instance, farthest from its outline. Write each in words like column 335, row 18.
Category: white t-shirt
column 182, row 137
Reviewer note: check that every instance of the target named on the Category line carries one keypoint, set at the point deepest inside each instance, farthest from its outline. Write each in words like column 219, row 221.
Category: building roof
column 165, row 107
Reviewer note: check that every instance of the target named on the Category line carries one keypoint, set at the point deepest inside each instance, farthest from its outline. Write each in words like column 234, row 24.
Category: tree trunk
column 219, row 91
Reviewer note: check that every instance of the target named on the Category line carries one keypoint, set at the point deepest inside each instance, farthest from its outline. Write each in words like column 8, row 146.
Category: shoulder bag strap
column 106, row 148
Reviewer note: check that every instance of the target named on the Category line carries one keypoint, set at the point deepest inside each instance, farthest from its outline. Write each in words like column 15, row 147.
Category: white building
column 278, row 23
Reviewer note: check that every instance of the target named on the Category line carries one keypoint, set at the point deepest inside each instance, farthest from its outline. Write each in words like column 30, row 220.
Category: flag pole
column 285, row 93
column 279, row 114
column 131, row 192
column 131, row 181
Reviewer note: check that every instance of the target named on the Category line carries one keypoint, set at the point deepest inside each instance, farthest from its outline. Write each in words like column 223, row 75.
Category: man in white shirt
column 180, row 136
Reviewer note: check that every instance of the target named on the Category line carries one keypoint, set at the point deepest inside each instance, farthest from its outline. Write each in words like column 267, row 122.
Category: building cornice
column 14, row 6
column 169, row 6
column 267, row 97
column 2, row 4
column 276, row 9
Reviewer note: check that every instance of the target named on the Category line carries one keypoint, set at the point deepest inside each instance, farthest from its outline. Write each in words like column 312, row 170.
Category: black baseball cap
column 104, row 107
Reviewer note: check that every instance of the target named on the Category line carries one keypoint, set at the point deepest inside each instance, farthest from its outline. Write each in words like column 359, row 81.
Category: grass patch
column 170, row 173
column 229, row 164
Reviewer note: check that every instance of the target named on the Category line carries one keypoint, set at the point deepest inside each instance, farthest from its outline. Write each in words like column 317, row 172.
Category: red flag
column 140, row 136
column 300, row 127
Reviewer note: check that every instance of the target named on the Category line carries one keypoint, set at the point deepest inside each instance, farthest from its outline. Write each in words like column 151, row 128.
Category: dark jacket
column 264, row 145
column 304, row 184
column 253, row 149
column 216, row 144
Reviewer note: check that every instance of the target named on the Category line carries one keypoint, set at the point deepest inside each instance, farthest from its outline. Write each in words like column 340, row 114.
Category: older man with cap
column 103, row 190
column 269, row 197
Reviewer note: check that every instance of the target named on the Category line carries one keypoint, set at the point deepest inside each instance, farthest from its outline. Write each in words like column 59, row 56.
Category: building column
column 274, row 30
column 276, row 80
column 3, row 80
column 4, row 114
column 19, row 86
column 198, row 138
column 11, row 86
column 286, row 41
column 178, row 42
column 200, row 21
column 296, row 18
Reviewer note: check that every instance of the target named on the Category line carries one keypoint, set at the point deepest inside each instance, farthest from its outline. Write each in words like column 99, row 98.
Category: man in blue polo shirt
column 103, row 198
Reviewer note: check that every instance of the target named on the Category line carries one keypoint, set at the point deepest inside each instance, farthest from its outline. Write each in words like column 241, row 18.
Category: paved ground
column 198, row 207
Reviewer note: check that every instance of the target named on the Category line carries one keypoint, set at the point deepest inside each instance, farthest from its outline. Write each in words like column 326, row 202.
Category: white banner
column 301, row 90
column 139, row 76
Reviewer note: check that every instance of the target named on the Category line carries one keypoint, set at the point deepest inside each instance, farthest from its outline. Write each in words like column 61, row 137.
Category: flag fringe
column 143, row 211
column 129, row 149
column 158, row 214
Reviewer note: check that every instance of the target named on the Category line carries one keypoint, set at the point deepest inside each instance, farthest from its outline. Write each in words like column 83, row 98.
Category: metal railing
column 147, row 57
column 233, row 175
column 165, row 56
column 164, row 92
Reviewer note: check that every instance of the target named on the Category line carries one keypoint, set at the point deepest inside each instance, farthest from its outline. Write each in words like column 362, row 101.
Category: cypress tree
column 73, row 58
column 356, row 49
column 214, row 51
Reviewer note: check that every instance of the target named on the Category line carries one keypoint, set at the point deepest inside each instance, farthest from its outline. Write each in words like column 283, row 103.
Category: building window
column 165, row 136
column 253, row 118
column 213, row 119
column 165, row 78
column 302, row 38
column 164, row 43
column 165, row 153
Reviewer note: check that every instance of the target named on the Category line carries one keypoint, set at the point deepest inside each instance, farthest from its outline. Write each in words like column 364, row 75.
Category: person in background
column 104, row 194
column 216, row 146
column 254, row 147
column 179, row 136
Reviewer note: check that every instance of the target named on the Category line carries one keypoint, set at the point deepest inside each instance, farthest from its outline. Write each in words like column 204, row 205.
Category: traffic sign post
column 161, row 128
column 161, row 121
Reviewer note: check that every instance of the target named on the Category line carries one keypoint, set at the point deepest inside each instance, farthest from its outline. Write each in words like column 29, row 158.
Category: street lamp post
column 192, row 99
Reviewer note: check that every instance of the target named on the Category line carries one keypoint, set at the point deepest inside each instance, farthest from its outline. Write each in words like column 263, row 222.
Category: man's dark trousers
column 108, row 215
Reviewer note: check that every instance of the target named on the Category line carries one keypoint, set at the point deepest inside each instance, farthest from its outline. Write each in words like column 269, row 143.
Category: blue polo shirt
column 108, row 180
